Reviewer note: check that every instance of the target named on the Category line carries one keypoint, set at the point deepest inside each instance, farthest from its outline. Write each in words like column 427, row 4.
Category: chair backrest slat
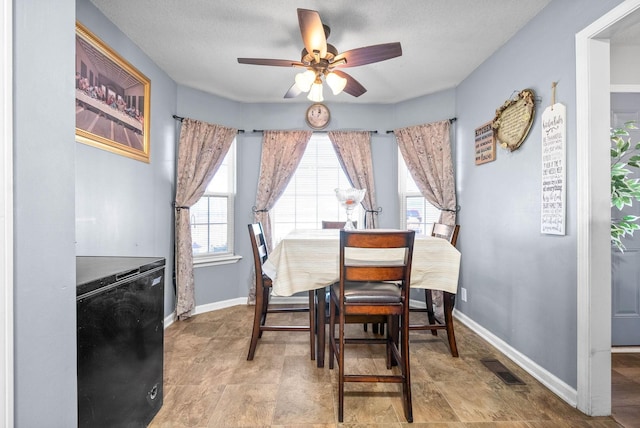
column 374, row 273
column 371, row 270
column 445, row 231
column 258, row 244
column 336, row 224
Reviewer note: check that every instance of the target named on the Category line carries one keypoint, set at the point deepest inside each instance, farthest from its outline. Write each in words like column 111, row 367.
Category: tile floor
column 625, row 389
column 209, row 383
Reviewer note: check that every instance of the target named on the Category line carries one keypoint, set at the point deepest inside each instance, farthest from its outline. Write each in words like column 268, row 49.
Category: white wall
column 625, row 64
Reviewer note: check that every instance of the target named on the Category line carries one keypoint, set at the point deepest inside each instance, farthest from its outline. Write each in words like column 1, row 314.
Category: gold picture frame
column 112, row 99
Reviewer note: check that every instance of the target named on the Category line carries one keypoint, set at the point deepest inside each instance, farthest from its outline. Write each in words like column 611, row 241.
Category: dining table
column 309, row 260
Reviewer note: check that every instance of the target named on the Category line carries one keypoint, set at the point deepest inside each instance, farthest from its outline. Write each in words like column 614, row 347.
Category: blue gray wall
column 44, row 251
column 522, row 285
column 123, row 206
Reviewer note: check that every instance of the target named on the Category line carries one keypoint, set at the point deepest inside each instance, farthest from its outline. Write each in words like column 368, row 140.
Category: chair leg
column 428, row 299
column 341, row 369
column 266, row 295
column 332, row 333
column 312, row 323
column 321, row 320
column 258, row 321
column 406, row 371
column 449, row 301
column 390, row 339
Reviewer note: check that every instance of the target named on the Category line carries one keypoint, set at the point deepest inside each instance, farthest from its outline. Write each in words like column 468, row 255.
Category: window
column 212, row 216
column 416, row 212
column 310, row 195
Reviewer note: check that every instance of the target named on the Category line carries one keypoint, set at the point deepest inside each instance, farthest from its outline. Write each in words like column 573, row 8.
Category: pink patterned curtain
column 201, row 150
column 354, row 153
column 427, row 152
column 281, row 154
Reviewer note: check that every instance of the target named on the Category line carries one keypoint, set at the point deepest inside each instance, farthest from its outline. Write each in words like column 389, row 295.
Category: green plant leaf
column 626, row 145
column 624, row 189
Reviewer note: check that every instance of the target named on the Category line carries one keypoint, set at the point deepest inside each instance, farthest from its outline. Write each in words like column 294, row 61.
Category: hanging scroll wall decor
column 513, row 120
column 554, row 176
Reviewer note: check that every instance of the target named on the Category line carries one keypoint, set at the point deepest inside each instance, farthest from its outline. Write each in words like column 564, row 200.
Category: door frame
column 594, row 212
column 6, row 214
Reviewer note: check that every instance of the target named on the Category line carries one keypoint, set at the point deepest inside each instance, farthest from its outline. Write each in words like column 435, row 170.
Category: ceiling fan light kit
column 335, row 82
column 322, row 59
column 315, row 93
column 308, row 81
column 305, row 79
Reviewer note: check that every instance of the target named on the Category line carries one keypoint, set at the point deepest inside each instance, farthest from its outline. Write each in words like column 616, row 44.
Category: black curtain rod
column 453, row 119
column 240, row 131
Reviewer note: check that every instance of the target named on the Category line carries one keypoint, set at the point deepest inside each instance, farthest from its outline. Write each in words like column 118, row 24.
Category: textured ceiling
column 197, row 42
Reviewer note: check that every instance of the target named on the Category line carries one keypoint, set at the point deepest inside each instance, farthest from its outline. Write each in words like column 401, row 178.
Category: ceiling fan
column 322, row 60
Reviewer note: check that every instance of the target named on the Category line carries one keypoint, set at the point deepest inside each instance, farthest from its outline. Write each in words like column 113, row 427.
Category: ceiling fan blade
column 353, row 87
column 369, row 54
column 312, row 31
column 273, row 62
column 293, row 91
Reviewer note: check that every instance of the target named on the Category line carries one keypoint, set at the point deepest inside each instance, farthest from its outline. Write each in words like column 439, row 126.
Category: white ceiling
column 197, row 42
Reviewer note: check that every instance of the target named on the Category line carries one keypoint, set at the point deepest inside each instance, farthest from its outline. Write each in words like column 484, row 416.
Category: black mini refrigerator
column 120, row 336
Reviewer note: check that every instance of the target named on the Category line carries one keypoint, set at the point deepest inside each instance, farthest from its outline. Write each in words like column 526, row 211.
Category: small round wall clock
column 318, row 116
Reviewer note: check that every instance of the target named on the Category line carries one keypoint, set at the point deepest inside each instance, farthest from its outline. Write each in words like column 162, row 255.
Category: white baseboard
column 556, row 385
column 170, row 319
column 219, row 305
column 625, row 350
column 294, row 300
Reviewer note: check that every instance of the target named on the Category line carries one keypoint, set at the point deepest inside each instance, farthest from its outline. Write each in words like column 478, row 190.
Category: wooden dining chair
column 450, row 233
column 263, row 295
column 373, row 288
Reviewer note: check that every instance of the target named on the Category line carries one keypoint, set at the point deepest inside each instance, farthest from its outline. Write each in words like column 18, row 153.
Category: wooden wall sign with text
column 485, row 144
column 554, row 176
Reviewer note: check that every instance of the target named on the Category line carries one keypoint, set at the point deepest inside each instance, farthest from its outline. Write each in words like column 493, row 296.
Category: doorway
column 625, row 263
column 594, row 215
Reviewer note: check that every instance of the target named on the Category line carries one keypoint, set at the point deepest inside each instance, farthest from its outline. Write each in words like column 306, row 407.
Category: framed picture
column 112, row 99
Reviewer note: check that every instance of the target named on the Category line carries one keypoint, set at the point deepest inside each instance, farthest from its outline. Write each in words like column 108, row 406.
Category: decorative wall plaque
column 554, row 176
column 513, row 120
column 485, row 144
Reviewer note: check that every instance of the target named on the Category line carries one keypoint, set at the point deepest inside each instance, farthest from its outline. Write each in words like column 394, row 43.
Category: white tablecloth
column 308, row 259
